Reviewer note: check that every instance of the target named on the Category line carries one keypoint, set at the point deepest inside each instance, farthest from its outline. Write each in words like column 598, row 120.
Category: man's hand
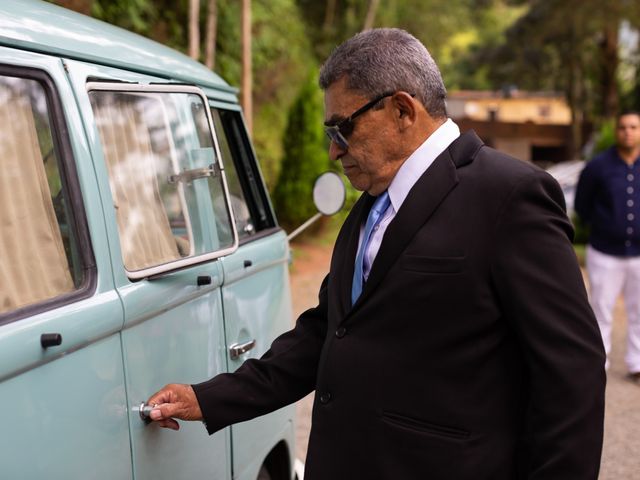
column 174, row 401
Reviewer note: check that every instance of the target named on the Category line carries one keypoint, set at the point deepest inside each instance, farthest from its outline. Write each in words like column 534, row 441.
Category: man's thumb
column 161, row 412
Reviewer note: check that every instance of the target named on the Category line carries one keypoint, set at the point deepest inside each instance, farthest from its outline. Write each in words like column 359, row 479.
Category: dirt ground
column 621, row 453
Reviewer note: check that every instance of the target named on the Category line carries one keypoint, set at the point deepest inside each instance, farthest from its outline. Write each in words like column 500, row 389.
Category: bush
column 305, row 156
column 581, row 234
column 606, row 136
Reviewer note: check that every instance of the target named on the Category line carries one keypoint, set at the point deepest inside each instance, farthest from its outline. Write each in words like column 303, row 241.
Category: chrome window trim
column 187, row 89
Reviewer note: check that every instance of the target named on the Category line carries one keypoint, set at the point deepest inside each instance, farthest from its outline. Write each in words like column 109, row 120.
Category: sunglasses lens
column 335, row 135
column 346, row 128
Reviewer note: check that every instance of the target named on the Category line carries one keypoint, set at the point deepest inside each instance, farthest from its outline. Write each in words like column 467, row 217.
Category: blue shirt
column 608, row 199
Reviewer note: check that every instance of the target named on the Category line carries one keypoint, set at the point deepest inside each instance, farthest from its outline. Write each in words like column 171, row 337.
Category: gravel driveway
column 621, row 455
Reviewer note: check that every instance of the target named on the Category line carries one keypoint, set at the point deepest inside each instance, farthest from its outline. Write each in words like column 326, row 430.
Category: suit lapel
column 423, row 199
column 346, row 249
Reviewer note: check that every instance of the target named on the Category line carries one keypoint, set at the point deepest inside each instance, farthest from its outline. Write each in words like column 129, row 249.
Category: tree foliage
column 566, row 45
column 280, row 62
column 563, row 45
column 305, row 156
column 280, row 50
column 449, row 28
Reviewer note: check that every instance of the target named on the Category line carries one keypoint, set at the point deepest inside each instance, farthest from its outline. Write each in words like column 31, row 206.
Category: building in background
column 532, row 126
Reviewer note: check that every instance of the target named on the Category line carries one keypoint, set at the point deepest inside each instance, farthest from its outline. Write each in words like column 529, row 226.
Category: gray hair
column 387, row 60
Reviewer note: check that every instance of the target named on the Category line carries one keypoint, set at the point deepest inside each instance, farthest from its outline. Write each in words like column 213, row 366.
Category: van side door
column 256, row 295
column 168, row 221
column 61, row 370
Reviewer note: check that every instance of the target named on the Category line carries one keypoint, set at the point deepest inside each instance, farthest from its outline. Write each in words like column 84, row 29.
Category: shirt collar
column 421, row 159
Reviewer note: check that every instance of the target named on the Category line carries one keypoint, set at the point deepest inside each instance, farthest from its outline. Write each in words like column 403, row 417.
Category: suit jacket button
column 341, row 332
column 325, row 398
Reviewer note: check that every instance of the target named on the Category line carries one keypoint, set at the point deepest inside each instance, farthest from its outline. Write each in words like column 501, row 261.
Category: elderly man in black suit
column 453, row 338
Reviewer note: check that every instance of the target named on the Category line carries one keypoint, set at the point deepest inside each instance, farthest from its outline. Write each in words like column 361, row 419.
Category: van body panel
column 67, row 401
column 20, row 346
column 257, row 307
column 173, row 328
column 67, row 418
column 82, row 160
column 74, row 408
column 221, row 98
column 174, row 331
column 81, row 324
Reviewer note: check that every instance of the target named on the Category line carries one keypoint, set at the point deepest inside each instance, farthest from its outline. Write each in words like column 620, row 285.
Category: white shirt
column 408, row 174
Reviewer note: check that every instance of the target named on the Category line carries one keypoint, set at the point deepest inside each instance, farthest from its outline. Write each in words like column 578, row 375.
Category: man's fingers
column 174, row 401
column 169, row 423
column 162, row 415
column 166, row 395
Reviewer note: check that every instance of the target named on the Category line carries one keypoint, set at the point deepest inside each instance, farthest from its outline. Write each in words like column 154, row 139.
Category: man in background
column 608, row 200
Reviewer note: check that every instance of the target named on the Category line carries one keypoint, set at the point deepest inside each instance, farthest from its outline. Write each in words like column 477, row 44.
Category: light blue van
column 137, row 246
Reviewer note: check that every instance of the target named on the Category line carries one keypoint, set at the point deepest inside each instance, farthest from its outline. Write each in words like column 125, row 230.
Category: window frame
column 249, row 167
column 73, row 195
column 155, row 88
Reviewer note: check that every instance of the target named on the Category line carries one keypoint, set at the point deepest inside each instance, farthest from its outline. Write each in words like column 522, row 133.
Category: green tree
column 566, row 45
column 280, row 49
column 449, row 28
column 305, row 156
column 134, row 15
column 280, row 53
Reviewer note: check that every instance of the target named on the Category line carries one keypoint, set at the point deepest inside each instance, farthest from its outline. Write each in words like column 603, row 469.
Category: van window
column 163, row 174
column 249, row 202
column 38, row 248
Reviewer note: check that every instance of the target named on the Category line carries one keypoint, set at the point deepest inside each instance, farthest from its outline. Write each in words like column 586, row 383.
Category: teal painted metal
column 257, row 306
column 175, row 330
column 67, row 419
column 74, row 407
column 24, row 348
column 44, row 27
column 74, row 391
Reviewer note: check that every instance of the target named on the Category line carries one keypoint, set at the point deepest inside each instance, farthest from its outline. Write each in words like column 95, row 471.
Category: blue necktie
column 375, row 215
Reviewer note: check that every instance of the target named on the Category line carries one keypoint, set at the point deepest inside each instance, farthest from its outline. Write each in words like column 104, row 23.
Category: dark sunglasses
column 339, row 132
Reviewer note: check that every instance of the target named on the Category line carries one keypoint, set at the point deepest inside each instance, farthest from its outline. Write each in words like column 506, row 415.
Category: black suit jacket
column 472, row 352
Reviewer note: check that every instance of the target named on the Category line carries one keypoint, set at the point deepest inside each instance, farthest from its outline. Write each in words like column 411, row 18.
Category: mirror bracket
column 329, row 194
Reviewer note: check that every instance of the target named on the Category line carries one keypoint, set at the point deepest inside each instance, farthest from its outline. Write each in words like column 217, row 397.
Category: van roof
column 46, row 28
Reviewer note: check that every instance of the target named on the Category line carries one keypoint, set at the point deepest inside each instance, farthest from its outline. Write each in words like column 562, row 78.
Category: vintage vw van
column 137, row 247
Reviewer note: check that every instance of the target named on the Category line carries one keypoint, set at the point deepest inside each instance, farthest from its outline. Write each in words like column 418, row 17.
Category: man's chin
column 352, row 176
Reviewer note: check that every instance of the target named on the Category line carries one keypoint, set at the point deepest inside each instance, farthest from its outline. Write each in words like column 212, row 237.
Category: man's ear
column 405, row 109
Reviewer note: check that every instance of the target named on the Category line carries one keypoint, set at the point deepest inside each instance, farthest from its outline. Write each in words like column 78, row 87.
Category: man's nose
column 335, row 151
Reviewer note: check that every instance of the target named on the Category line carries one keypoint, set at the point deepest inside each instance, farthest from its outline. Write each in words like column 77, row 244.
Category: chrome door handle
column 145, row 411
column 238, row 349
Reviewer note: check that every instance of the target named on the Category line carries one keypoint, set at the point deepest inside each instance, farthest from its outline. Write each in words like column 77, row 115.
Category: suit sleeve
column 284, row 374
column 542, row 294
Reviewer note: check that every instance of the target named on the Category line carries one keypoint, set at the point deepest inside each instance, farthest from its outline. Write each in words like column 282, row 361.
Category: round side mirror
column 329, row 193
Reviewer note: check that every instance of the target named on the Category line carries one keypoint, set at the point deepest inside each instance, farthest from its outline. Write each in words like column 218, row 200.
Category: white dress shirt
column 408, row 174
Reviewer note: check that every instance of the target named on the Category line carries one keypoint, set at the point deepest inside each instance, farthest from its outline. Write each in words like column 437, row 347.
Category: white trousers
column 609, row 277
